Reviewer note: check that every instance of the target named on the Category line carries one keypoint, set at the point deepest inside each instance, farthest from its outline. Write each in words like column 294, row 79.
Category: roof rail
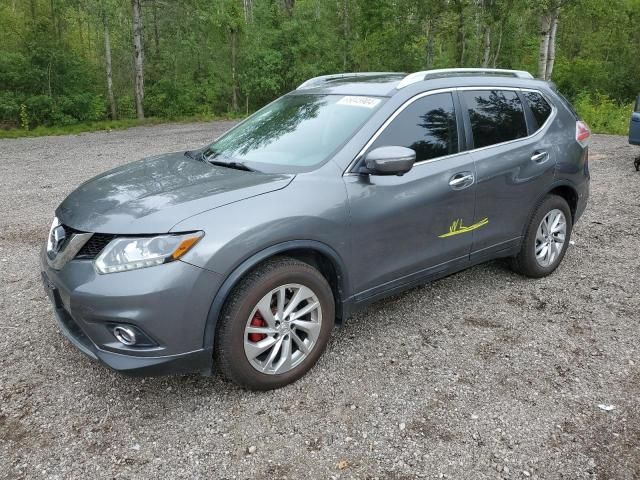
column 317, row 81
column 419, row 76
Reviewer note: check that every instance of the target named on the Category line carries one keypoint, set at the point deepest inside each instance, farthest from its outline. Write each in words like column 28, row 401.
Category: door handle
column 540, row 157
column 462, row 180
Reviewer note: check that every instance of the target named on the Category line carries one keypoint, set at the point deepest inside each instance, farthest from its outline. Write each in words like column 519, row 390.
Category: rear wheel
column 546, row 239
column 275, row 325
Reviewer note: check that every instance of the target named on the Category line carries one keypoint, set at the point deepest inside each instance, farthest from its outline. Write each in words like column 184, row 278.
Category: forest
column 80, row 63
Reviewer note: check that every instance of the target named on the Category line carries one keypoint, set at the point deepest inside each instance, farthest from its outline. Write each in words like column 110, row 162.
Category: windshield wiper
column 234, row 165
column 211, row 158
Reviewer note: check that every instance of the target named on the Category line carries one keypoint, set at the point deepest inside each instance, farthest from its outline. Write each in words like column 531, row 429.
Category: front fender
column 239, row 272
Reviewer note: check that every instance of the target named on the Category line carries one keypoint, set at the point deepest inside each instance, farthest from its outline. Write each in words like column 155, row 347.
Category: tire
column 246, row 305
column 526, row 262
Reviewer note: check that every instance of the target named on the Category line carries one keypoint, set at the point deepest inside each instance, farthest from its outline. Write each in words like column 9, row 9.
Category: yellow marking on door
column 457, row 227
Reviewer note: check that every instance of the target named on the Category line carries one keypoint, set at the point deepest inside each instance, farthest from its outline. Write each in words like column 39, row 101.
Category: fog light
column 124, row 335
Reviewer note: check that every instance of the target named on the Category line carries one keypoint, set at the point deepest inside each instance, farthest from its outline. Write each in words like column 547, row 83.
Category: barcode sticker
column 357, row 101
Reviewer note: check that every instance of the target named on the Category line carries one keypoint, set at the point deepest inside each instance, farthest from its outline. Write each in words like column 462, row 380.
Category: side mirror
column 390, row 160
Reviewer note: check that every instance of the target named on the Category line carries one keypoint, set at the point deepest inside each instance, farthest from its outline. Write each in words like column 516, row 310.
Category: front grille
column 95, row 245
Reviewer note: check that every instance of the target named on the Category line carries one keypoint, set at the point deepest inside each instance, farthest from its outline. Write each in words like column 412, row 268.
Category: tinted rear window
column 496, row 116
column 539, row 107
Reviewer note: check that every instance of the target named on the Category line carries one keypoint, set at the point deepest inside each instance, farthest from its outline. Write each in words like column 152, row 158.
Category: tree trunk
column 345, row 33
column 86, row 52
column 138, row 57
column 429, row 47
column 107, row 57
column 545, row 31
column 487, row 47
column 156, row 35
column 248, row 10
column 234, row 81
column 461, row 35
column 32, row 5
column 551, row 53
column 496, row 55
column 288, row 6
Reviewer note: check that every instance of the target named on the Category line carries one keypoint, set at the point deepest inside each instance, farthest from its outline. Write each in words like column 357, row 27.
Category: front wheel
column 546, row 239
column 275, row 325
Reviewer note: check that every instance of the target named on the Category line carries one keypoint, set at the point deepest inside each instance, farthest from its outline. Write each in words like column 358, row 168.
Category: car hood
column 152, row 195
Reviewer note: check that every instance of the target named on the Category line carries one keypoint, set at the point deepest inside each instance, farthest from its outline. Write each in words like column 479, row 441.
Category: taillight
column 583, row 134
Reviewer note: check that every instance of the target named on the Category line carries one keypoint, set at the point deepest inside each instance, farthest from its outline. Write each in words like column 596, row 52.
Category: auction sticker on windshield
column 358, row 101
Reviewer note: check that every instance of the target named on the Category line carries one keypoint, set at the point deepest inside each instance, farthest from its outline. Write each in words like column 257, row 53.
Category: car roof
column 388, row 84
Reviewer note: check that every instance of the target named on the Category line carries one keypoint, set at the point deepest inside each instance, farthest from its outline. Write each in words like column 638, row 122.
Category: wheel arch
column 563, row 189
column 570, row 194
column 318, row 254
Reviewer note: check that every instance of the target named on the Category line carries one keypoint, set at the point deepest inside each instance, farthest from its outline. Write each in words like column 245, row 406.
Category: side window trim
column 532, row 123
column 350, row 170
column 464, row 135
column 540, row 129
column 551, row 116
column 465, row 144
column 466, row 120
column 468, row 117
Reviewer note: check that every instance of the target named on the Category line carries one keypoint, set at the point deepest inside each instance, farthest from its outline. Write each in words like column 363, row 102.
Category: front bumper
column 168, row 303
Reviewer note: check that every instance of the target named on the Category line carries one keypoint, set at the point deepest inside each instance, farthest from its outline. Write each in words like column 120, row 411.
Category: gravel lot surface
column 481, row 375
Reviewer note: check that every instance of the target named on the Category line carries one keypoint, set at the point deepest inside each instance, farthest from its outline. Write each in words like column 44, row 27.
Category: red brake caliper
column 257, row 321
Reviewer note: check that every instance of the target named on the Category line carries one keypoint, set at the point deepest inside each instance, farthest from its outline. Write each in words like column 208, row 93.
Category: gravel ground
column 481, row 375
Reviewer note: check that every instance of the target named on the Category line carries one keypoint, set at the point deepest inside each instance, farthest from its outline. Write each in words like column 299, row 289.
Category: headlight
column 123, row 254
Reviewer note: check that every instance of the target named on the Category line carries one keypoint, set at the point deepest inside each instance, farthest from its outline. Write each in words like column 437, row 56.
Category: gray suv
column 244, row 254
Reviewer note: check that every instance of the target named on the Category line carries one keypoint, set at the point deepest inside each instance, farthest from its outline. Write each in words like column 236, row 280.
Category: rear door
column 514, row 161
column 634, row 124
column 406, row 227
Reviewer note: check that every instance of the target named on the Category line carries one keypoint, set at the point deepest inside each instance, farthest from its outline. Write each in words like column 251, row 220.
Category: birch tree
column 138, row 58
column 107, row 62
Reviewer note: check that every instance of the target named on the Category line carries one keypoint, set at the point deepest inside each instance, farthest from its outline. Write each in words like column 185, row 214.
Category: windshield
column 294, row 133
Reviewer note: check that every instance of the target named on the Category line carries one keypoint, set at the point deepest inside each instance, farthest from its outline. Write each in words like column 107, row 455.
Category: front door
column 405, row 227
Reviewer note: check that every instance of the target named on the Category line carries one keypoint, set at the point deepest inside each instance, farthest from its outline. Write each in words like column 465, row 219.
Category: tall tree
column 549, row 19
column 107, row 62
column 138, row 57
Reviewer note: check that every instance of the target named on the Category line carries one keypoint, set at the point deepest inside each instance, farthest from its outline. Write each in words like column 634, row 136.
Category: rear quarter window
column 496, row 116
column 539, row 107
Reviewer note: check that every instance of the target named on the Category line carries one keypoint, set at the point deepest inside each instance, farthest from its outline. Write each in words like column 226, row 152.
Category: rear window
column 496, row 116
column 539, row 107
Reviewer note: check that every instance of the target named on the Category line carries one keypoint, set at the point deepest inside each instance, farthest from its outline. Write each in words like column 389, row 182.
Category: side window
column 539, row 107
column 428, row 126
column 496, row 116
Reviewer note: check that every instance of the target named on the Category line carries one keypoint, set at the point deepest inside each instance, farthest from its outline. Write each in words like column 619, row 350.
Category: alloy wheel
column 550, row 238
column 282, row 329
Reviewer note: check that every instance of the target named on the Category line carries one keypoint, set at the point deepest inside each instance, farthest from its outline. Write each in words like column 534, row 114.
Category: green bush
column 83, row 107
column 126, row 106
column 602, row 114
column 41, row 110
column 9, row 109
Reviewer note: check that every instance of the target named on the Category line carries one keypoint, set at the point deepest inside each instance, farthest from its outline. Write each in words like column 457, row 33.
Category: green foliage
column 24, row 117
column 602, row 114
column 200, row 55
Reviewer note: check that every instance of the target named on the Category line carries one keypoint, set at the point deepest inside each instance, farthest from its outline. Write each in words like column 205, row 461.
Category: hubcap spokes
column 550, row 237
column 282, row 329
